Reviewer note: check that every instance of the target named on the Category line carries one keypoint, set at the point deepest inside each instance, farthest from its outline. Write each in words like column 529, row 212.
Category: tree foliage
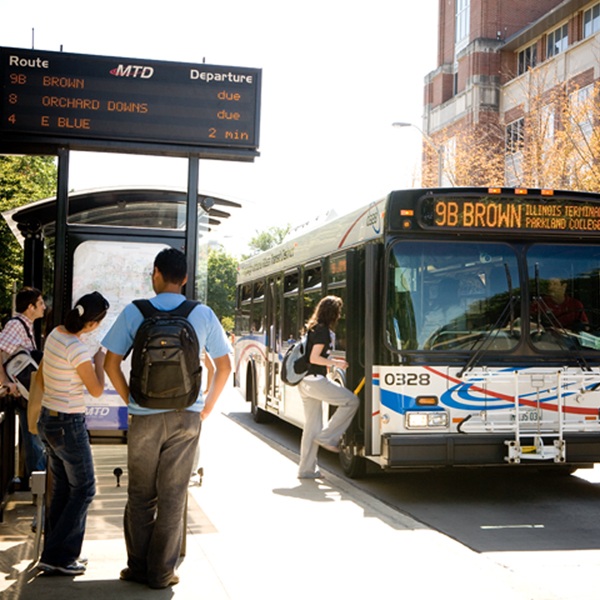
column 553, row 141
column 23, row 179
column 222, row 277
column 268, row 239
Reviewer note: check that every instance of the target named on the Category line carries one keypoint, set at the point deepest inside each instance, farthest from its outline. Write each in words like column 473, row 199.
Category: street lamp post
column 430, row 142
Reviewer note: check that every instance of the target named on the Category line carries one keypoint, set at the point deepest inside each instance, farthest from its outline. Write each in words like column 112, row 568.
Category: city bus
column 471, row 325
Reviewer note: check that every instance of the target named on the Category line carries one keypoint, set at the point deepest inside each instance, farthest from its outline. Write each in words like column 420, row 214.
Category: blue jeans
column 70, row 461
column 160, row 458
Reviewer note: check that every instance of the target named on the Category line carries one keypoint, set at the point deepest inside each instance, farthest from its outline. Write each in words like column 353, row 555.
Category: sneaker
column 47, row 568
column 316, row 475
column 73, row 569
column 84, row 560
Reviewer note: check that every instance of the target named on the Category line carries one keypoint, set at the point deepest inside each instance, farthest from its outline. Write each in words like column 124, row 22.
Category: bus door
column 273, row 349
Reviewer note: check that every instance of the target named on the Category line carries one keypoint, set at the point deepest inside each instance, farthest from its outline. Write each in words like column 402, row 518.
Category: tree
column 222, row 278
column 23, row 179
column 552, row 140
column 268, row 239
column 472, row 156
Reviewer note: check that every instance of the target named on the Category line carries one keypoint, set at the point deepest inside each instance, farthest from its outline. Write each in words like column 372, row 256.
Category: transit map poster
column 121, row 272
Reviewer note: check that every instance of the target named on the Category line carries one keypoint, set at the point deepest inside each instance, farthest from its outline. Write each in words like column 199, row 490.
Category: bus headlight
column 423, row 420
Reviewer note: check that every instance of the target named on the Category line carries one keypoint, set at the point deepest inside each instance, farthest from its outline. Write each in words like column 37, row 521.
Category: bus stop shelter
column 111, row 238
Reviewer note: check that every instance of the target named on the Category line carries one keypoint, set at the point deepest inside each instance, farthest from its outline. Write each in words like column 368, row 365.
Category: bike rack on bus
column 566, row 385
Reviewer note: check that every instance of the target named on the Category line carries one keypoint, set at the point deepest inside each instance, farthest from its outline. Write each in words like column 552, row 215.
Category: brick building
column 488, row 52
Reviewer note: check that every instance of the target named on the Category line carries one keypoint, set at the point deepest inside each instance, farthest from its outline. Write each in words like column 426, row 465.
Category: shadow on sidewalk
column 31, row 585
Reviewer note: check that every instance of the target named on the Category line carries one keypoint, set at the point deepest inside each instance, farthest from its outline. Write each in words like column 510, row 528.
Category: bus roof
column 361, row 225
column 404, row 209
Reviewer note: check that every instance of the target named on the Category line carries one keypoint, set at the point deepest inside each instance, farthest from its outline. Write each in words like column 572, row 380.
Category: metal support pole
column 60, row 242
column 371, row 282
column 191, row 232
column 39, row 489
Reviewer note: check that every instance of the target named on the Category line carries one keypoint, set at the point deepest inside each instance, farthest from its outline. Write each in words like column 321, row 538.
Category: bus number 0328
column 407, row 379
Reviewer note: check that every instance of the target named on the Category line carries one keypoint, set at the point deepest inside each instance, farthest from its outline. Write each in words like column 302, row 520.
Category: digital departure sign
column 510, row 213
column 96, row 97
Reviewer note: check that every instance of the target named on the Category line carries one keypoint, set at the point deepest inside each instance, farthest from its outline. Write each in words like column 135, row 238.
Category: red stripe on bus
column 353, row 225
column 532, row 403
column 245, row 351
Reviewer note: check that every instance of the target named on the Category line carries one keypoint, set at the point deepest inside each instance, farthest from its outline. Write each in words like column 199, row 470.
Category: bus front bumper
column 402, row 451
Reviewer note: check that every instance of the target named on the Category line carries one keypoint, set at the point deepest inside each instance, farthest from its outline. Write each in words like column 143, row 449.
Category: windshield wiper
column 508, row 310
column 511, row 299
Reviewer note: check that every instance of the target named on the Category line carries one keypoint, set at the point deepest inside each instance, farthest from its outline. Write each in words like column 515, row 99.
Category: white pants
column 313, row 393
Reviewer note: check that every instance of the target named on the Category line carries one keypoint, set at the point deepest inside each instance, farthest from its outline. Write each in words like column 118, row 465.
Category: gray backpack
column 294, row 366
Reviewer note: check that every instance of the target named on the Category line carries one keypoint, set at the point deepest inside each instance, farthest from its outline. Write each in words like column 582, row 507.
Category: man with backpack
column 164, row 428
column 17, row 336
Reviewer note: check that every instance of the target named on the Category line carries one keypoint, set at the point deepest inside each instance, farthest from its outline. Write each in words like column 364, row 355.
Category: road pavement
column 254, row 531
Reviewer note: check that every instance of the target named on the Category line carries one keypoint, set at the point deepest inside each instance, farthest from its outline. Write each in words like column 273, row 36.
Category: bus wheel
column 354, row 465
column 258, row 414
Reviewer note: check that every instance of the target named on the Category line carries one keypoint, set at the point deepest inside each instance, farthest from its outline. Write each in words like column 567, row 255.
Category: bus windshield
column 564, row 298
column 447, row 296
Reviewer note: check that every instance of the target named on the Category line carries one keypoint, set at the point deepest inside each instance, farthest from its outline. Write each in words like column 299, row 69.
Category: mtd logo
column 133, row 71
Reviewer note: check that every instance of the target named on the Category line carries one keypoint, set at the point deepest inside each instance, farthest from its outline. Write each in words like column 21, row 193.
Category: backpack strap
column 185, row 308
column 16, row 318
column 149, row 310
column 146, row 308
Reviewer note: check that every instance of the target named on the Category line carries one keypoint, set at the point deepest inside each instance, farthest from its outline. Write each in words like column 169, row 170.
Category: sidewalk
column 255, row 531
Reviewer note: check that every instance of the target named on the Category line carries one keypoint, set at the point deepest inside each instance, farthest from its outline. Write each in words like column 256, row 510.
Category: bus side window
column 313, row 277
column 242, row 319
column 258, row 302
column 340, row 330
column 336, row 286
column 291, row 286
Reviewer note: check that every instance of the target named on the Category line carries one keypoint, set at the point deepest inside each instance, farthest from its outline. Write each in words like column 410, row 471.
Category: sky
column 335, row 76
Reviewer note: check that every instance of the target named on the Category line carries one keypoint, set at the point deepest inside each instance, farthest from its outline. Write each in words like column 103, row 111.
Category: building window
column 462, row 22
column 591, row 21
column 448, row 150
column 582, row 111
column 558, row 41
column 527, row 59
column 515, row 136
column 547, row 124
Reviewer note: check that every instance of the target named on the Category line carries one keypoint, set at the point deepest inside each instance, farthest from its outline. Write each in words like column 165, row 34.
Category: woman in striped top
column 59, row 399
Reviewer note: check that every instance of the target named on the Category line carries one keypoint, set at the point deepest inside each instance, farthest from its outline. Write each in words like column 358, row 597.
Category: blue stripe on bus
column 458, row 397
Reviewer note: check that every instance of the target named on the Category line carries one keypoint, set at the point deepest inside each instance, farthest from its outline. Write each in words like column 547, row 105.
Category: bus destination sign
column 96, row 97
column 510, row 213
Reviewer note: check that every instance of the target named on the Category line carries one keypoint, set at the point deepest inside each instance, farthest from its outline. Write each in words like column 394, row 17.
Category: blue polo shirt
column 211, row 337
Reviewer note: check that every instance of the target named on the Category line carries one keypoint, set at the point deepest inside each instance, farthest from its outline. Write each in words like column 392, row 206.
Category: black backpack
column 165, row 365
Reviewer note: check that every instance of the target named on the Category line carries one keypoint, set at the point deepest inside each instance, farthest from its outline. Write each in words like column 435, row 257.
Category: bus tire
column 353, row 465
column 258, row 414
